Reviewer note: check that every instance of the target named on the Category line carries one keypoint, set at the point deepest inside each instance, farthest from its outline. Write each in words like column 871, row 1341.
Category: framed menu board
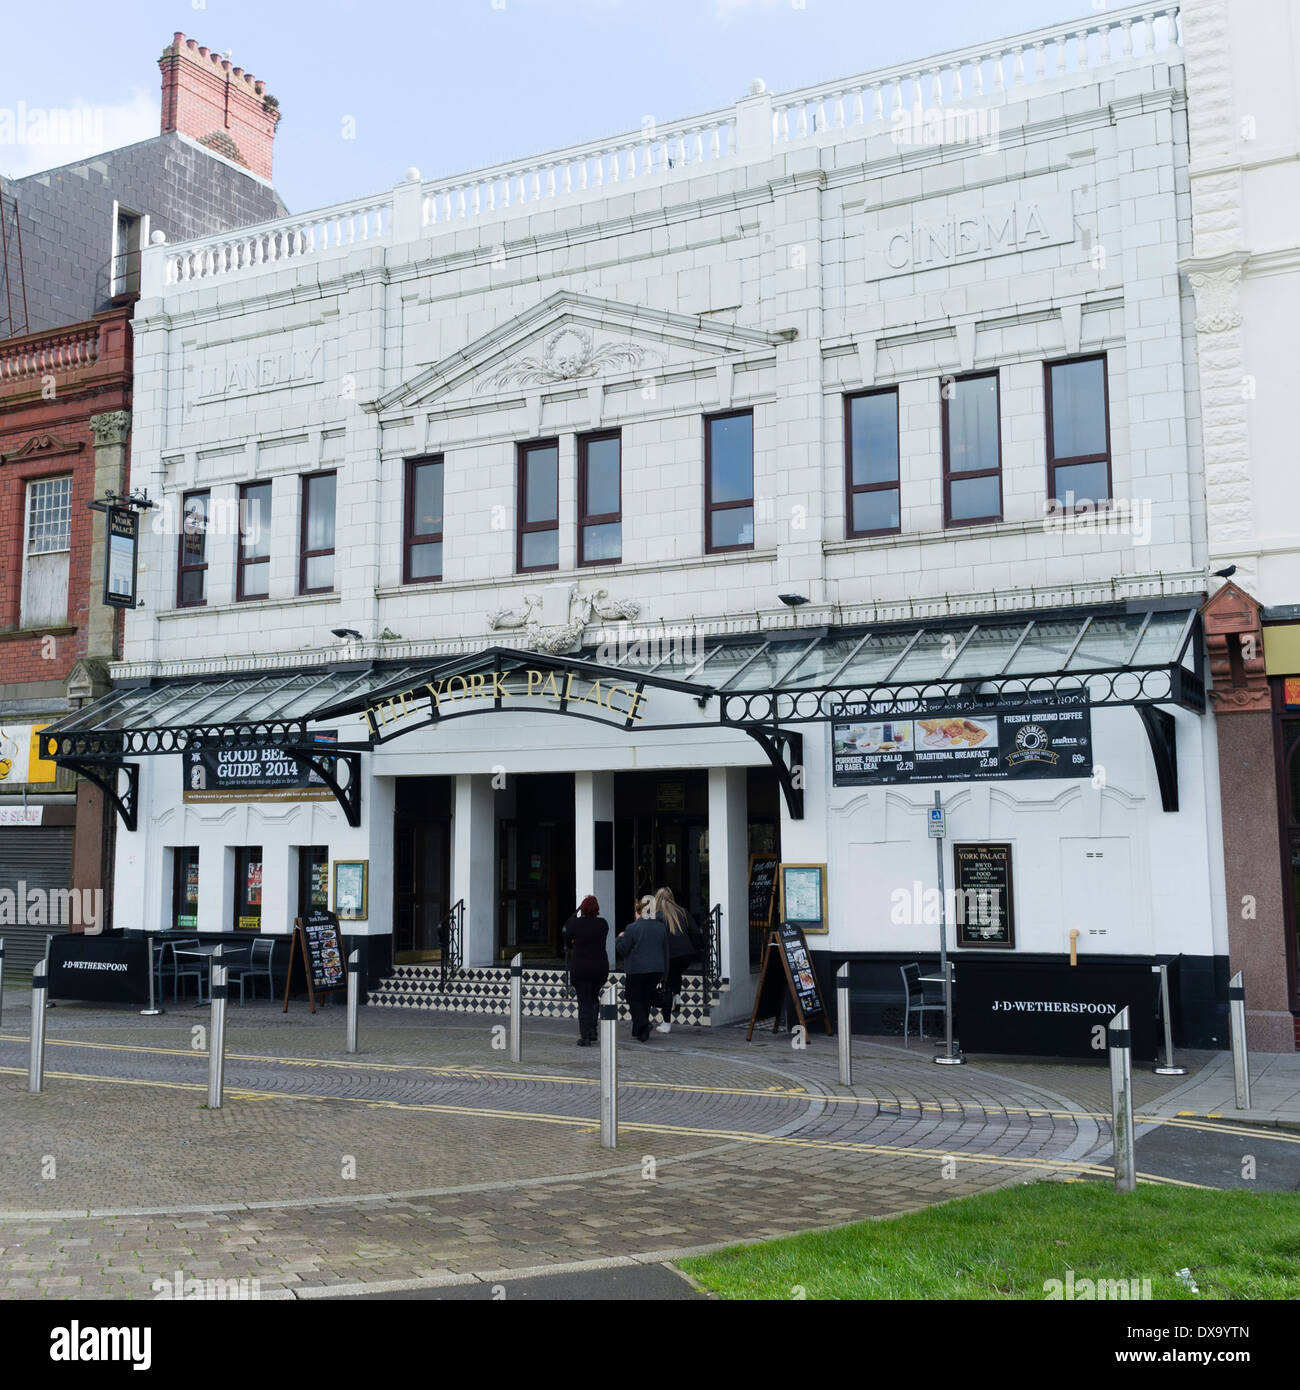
column 803, row 897
column 985, row 908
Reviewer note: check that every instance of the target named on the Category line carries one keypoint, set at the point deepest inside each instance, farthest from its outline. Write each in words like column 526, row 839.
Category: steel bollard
column 1119, row 1041
column 153, row 1010
column 843, row 1024
column 36, row 1063
column 354, row 997
column 609, row 1066
column 952, row 1055
column 516, row 1007
column 217, row 1036
column 2, row 979
column 1170, row 1067
column 1240, row 1057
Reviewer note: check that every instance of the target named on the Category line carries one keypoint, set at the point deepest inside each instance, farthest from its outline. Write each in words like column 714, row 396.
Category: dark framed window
column 316, row 563
column 422, row 527
column 871, row 463
column 192, row 565
column 600, row 499
column 253, row 558
column 185, row 887
column 972, row 450
column 1078, row 431
column 538, row 538
column 729, row 481
column 248, row 888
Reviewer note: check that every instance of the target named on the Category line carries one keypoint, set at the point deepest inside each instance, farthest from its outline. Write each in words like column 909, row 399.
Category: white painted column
column 381, row 794
column 594, row 801
column 728, row 883
column 473, row 864
column 279, row 884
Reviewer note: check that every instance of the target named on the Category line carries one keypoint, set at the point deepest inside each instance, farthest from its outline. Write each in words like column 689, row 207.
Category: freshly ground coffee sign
column 571, row 692
column 963, row 741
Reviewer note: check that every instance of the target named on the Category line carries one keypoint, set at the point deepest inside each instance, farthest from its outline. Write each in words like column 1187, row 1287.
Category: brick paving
column 430, row 1155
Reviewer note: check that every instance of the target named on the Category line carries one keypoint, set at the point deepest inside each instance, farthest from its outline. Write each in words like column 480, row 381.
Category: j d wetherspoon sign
column 962, row 741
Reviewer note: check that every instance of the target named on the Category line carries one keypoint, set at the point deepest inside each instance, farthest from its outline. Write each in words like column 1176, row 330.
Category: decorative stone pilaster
column 109, row 432
column 1216, row 283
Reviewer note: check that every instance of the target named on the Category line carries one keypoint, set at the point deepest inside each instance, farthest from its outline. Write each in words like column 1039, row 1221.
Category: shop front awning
column 760, row 685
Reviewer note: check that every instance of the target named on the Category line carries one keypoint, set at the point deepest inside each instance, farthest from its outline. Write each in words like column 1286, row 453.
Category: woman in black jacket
column 642, row 946
column 683, row 948
column 584, row 936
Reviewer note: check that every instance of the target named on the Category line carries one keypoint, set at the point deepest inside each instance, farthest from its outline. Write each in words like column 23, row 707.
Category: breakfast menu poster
column 950, row 743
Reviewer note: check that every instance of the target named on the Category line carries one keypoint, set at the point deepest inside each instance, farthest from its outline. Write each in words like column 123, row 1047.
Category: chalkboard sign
column 762, row 887
column 787, row 973
column 315, row 957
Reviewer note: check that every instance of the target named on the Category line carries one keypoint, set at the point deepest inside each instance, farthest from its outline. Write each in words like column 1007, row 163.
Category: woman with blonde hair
column 683, row 948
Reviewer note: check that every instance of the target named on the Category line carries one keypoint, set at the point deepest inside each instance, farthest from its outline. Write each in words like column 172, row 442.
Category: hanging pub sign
column 122, row 531
column 984, row 908
column 964, row 741
column 251, row 774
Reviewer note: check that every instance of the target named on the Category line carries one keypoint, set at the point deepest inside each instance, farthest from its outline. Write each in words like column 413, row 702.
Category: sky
column 369, row 88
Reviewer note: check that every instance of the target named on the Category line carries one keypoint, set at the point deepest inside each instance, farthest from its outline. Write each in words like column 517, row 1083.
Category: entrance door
column 536, row 886
column 421, row 867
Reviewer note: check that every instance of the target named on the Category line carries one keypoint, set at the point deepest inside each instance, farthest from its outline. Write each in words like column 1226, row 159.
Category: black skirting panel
column 1198, row 988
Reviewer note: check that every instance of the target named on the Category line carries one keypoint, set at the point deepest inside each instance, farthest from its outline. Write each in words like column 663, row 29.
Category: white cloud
column 33, row 138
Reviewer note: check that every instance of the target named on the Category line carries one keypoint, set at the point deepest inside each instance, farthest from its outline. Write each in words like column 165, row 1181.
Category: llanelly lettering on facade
column 773, row 383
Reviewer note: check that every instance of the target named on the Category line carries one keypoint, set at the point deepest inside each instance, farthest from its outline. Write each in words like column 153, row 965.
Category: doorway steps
column 486, row 990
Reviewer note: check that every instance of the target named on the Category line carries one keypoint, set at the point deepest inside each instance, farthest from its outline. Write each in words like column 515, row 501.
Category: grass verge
column 1010, row 1243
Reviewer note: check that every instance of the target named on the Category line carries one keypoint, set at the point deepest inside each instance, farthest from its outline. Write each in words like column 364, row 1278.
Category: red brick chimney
column 222, row 107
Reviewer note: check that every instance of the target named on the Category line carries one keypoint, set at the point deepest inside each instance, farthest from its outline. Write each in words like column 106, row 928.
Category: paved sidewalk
column 1274, row 1090
column 430, row 1158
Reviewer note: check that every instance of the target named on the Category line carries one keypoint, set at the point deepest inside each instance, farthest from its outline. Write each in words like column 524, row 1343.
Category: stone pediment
column 574, row 338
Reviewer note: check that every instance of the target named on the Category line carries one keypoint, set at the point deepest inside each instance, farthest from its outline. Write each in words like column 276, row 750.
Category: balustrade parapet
column 758, row 126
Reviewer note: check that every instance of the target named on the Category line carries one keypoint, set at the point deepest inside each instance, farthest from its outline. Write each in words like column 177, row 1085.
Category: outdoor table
column 210, row 950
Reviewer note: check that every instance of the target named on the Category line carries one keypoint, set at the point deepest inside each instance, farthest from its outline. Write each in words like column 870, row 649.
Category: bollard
column 1120, row 1043
column 952, row 1056
column 217, row 1036
column 609, row 1066
column 354, row 997
column 843, row 1024
column 1240, row 1057
column 36, row 1064
column 153, row 1010
column 516, row 1006
column 2, row 979
column 1170, row 1067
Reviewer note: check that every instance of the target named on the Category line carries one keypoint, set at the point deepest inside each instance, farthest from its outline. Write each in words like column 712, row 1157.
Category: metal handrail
column 451, row 932
column 712, row 963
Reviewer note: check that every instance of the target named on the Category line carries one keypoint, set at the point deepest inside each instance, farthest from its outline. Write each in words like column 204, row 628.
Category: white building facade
column 872, row 405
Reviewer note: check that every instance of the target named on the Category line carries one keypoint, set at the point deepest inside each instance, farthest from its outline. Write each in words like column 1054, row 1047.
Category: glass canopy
column 763, row 676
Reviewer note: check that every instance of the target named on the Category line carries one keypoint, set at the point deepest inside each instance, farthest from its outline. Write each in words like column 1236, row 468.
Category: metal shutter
column 41, row 857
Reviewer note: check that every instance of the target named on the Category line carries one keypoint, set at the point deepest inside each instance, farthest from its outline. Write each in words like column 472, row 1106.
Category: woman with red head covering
column 584, row 936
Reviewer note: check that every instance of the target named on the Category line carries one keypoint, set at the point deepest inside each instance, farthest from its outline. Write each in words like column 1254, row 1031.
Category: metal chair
column 191, row 968
column 917, row 999
column 254, row 966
